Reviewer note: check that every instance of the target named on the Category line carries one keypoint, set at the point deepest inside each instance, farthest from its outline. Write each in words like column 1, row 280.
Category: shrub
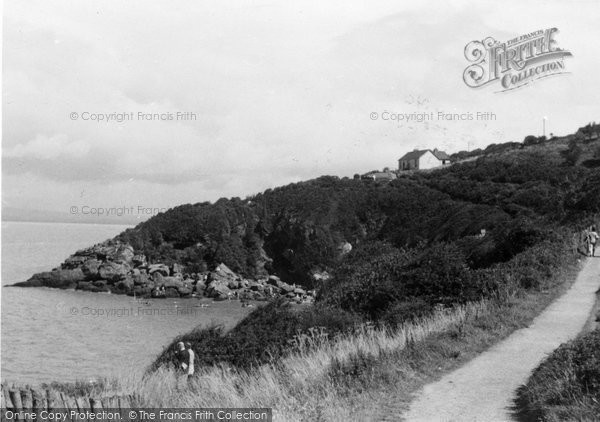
column 406, row 310
column 262, row 336
column 371, row 284
column 566, row 385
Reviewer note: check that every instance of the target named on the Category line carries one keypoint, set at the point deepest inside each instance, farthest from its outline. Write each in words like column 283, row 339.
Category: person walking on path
column 592, row 238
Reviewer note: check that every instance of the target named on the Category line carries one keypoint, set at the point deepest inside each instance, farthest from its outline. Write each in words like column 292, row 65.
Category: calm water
column 59, row 335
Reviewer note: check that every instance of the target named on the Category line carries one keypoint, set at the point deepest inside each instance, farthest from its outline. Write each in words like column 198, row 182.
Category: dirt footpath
column 484, row 388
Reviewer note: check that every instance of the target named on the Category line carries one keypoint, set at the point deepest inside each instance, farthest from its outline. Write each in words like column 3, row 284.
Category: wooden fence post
column 27, row 402
column 15, row 398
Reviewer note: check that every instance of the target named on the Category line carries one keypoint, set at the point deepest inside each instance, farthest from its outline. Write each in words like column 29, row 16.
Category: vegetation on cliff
column 489, row 229
column 566, row 386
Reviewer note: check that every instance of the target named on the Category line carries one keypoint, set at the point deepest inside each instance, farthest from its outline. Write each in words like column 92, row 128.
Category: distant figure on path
column 592, row 238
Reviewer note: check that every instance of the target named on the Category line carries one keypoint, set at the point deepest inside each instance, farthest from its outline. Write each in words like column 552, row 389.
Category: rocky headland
column 113, row 266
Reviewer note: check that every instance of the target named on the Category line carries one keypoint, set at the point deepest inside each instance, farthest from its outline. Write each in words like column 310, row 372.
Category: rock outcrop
column 115, row 267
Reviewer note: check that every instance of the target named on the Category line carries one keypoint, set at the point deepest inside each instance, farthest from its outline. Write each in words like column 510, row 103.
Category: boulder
column 138, row 260
column 160, row 268
column 74, row 261
column 256, row 287
column 141, row 279
column 299, row 291
column 99, row 283
column 223, row 271
column 113, row 271
column 102, row 251
column 273, row 280
column 286, row 288
column 91, row 269
column 157, row 278
column 124, row 286
column 62, row 279
column 185, row 291
column 221, row 281
column 157, row 293
column 123, row 253
column 218, row 291
column 176, row 269
column 171, row 292
column 174, row 282
column 271, row 290
column 101, row 286
column 141, row 291
column 200, row 287
column 259, row 296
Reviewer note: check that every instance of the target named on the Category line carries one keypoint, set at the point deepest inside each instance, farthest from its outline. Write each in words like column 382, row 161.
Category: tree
column 573, row 153
column 530, row 140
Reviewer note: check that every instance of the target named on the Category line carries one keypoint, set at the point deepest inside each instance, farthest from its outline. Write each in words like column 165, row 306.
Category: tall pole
column 544, row 126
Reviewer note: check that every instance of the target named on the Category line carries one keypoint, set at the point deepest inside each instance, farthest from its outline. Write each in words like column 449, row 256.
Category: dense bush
column 262, row 336
column 566, row 386
column 378, row 277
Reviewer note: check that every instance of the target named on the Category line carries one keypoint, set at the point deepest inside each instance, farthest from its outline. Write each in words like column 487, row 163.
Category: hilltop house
column 423, row 159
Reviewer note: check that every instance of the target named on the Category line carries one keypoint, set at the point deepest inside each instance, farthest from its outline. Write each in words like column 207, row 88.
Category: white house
column 423, row 159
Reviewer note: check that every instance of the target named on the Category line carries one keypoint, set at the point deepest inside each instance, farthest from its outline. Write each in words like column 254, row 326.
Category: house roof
column 441, row 155
column 413, row 155
column 418, row 153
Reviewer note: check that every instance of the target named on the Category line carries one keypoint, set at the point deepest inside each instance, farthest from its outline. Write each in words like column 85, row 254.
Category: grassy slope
column 566, row 386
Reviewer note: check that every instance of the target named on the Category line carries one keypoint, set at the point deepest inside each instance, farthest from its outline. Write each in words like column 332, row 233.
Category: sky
column 281, row 91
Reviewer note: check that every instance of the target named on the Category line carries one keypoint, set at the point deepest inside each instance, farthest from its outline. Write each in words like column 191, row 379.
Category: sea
column 66, row 335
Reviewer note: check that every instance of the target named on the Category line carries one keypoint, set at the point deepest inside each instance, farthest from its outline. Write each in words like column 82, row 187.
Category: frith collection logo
column 516, row 62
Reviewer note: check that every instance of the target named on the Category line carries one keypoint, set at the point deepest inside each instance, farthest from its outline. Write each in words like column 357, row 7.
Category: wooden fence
column 36, row 400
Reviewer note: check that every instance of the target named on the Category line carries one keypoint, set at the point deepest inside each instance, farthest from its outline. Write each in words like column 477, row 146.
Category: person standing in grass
column 183, row 358
column 592, row 238
column 185, row 362
column 190, row 363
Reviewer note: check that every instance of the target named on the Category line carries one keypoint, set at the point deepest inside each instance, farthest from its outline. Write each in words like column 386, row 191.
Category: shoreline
column 115, row 266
